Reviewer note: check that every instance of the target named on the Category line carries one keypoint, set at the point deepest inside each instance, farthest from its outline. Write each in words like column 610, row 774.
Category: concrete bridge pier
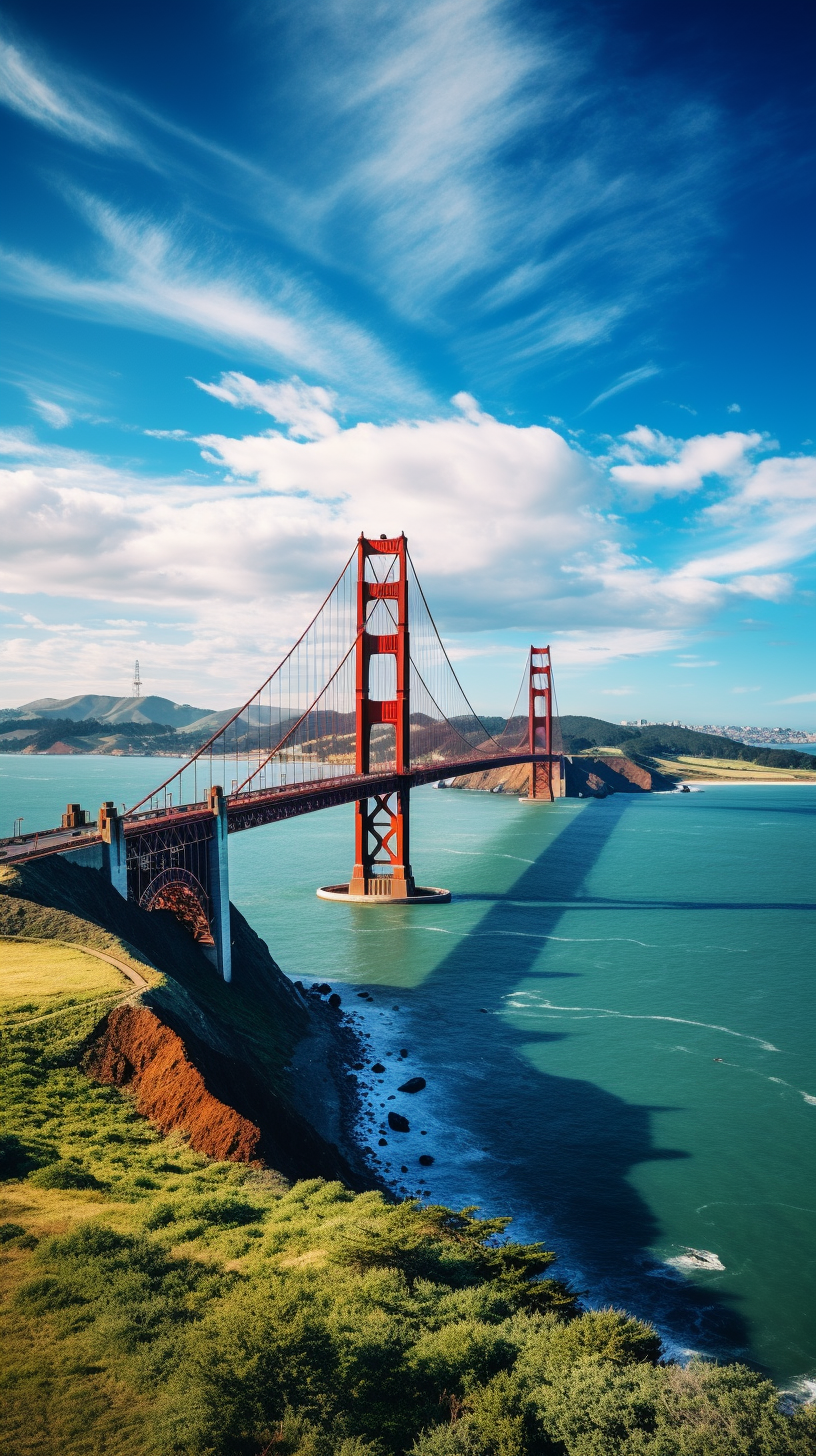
column 221, row 950
column 114, row 858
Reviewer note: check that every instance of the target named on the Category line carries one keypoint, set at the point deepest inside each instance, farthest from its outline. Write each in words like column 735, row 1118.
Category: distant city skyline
column 530, row 282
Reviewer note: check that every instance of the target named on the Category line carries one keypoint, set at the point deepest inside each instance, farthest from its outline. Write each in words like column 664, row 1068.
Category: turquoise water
column 614, row 1016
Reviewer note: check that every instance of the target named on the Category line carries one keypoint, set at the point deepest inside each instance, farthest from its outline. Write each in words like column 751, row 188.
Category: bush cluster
column 206, row 1309
column 363, row 1329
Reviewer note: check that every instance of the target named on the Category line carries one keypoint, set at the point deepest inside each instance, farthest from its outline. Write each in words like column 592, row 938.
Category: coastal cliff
column 194, row 1055
column 585, row 777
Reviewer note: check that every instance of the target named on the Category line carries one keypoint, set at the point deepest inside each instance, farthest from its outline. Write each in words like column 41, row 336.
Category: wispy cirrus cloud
column 483, row 176
column 56, row 102
column 467, row 161
column 626, row 381
column 149, row 276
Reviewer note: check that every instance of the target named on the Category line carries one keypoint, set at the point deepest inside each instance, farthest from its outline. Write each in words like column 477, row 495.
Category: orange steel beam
column 540, row 722
column 381, row 833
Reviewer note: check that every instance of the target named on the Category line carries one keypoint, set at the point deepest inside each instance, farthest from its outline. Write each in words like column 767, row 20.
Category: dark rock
column 414, row 1084
column 363, row 995
column 378, row 1067
column 403, row 1169
column 398, row 1123
column 334, row 1000
column 358, row 1066
column 324, row 988
column 299, row 985
column 426, row 1160
column 383, row 1143
column 403, row 1051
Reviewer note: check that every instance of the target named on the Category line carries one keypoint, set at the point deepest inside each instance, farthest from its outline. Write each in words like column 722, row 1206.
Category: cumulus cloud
column 306, row 409
column 686, row 463
column 507, row 526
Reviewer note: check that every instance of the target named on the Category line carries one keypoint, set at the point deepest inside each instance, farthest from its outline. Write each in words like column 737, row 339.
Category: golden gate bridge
column 364, row 707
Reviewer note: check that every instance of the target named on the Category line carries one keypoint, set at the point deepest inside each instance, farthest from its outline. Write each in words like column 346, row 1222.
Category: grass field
column 731, row 770
column 721, row 770
column 44, row 973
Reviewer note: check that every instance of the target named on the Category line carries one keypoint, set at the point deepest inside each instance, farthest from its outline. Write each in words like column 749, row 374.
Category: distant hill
column 660, row 740
column 579, row 733
column 110, row 710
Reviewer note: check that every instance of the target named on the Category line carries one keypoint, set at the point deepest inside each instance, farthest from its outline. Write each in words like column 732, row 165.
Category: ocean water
column 614, row 1016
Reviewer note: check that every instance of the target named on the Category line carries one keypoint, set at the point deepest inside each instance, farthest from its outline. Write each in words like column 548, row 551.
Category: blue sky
column 532, row 282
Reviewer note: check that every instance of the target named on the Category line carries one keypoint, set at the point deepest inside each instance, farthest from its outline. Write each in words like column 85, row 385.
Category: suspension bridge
column 364, row 707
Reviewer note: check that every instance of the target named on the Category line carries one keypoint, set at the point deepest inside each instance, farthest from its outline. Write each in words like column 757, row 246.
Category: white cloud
column 60, row 105
column 151, row 278
column 307, row 409
column 606, row 645
column 693, row 460
column 800, row 698
column 459, row 163
column 626, row 381
column 52, row 413
column 733, row 409
column 505, row 525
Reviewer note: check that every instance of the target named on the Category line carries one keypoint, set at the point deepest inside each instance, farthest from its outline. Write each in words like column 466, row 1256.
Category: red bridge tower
column 546, row 779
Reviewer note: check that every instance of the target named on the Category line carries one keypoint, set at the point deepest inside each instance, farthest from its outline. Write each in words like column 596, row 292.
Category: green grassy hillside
column 159, row 1303
column 662, row 741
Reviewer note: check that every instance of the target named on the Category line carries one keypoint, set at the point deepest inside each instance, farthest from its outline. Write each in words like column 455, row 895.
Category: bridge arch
column 177, row 890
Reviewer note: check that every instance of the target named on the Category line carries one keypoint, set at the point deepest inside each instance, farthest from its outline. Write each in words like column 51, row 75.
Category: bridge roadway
column 262, row 806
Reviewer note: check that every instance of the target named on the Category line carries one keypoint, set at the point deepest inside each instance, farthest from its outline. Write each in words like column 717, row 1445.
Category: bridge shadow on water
column 560, row 1149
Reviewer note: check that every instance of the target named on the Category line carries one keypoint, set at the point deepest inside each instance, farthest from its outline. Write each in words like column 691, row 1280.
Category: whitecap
column 696, row 1259
column 767, row 1046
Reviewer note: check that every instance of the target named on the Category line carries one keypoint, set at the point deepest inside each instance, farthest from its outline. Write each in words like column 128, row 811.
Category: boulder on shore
column 398, row 1123
column 414, row 1084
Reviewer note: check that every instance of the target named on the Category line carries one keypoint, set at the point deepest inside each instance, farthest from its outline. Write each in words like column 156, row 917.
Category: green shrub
column 9, row 1231
column 64, row 1173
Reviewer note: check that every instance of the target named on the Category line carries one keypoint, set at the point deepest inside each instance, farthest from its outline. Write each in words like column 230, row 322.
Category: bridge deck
column 263, row 806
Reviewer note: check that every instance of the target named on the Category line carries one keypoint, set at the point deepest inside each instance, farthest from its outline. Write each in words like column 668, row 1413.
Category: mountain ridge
column 105, row 708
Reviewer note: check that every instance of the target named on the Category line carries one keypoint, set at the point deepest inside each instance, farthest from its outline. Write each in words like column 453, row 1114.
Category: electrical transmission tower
column 137, row 681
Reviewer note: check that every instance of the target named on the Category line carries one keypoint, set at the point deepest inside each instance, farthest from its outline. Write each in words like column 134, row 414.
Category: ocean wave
column 766, row 1046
